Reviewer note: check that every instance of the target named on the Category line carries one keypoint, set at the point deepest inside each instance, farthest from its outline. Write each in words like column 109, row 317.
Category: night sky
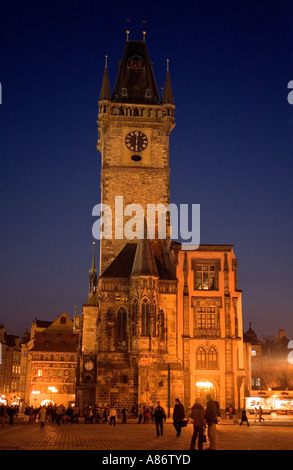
column 230, row 152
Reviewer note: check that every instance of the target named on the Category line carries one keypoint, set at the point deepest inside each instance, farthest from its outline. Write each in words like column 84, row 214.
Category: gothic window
column 212, row 358
column 201, row 358
column 121, row 325
column 134, row 317
column 145, row 318
column 154, row 319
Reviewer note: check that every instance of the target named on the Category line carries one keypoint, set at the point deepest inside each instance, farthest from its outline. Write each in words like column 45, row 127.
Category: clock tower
column 133, row 139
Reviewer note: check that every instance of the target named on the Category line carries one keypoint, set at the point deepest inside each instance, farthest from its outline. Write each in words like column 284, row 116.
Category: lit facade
column 48, row 363
column 155, row 327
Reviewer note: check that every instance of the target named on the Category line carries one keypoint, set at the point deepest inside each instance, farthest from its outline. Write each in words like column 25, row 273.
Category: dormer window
column 148, row 93
column 124, row 92
column 135, row 62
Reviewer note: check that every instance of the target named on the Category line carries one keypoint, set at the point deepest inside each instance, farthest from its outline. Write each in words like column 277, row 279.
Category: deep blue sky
column 230, row 152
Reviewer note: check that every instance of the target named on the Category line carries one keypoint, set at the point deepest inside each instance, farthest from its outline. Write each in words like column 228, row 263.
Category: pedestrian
column 113, row 416
column 255, row 414
column 97, row 414
column 146, row 414
column 178, row 416
column 42, row 415
column 26, row 413
column 159, row 417
column 75, row 414
column 2, row 414
column 140, row 414
column 197, row 414
column 243, row 418
column 124, row 415
column 211, row 420
column 105, row 416
column 11, row 412
column 260, row 414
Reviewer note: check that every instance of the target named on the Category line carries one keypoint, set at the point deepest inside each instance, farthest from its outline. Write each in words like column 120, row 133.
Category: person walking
column 113, row 416
column 75, row 414
column 159, row 417
column 211, row 420
column 140, row 414
column 244, row 418
column 2, row 414
column 260, row 418
column 42, row 415
column 178, row 416
column 197, row 414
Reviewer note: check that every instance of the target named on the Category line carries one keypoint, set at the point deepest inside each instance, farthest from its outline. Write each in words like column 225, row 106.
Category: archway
column 203, row 387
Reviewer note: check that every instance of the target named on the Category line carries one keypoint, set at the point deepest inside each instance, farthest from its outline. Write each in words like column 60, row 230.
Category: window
column 205, row 277
column 134, row 317
column 123, row 91
column 136, row 62
column 201, row 358
column 63, row 320
column 145, row 318
column 212, row 358
column 206, row 318
column 121, row 325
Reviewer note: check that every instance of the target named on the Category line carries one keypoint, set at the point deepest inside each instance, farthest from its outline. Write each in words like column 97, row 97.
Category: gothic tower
column 128, row 344
column 133, row 139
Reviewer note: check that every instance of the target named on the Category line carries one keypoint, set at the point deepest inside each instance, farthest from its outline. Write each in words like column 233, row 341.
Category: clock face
column 88, row 365
column 136, row 141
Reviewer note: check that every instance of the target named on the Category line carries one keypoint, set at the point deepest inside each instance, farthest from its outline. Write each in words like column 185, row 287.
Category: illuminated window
column 205, row 277
column 40, row 373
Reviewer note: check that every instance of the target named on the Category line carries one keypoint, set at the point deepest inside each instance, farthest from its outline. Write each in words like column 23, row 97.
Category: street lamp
column 52, row 390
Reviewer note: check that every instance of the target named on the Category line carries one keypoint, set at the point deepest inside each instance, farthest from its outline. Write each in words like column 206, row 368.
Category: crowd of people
column 204, row 419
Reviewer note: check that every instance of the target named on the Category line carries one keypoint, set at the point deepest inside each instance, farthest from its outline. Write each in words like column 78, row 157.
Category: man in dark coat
column 211, row 417
column 178, row 416
column 159, row 417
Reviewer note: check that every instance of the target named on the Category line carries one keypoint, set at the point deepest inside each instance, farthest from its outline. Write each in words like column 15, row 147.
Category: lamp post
column 52, row 390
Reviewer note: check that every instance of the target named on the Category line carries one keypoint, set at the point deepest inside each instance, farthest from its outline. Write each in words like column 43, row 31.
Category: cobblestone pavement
column 270, row 435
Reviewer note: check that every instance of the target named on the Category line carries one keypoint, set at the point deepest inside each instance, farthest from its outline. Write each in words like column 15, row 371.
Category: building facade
column 160, row 322
column 48, row 363
column 10, row 356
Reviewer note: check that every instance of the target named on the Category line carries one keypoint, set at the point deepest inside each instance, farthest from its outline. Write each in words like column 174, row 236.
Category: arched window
column 212, row 358
column 145, row 318
column 63, row 320
column 201, row 358
column 121, row 325
column 134, row 317
column 154, row 333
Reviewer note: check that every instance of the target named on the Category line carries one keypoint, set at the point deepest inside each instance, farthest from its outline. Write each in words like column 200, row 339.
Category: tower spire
column 105, row 89
column 93, row 279
column 167, row 95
